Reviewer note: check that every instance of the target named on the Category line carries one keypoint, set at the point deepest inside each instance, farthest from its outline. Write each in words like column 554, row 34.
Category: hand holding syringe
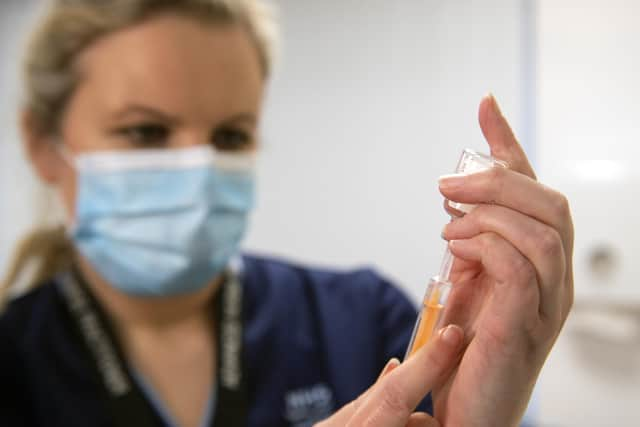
column 439, row 287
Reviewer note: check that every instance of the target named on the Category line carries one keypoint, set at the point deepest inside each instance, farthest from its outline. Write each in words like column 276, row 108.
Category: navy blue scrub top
column 313, row 341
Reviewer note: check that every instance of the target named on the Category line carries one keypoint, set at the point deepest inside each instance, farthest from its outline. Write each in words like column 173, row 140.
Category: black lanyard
column 125, row 401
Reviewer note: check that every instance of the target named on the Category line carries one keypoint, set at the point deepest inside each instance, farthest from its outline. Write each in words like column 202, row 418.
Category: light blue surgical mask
column 161, row 222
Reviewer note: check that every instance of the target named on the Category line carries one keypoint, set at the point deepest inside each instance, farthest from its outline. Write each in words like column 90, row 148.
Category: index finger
column 502, row 141
column 391, row 402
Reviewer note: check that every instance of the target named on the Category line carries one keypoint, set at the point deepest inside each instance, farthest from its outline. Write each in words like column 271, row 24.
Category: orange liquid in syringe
column 429, row 317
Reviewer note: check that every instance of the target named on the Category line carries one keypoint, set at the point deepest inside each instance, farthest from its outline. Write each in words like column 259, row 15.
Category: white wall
column 17, row 183
column 589, row 57
column 373, row 101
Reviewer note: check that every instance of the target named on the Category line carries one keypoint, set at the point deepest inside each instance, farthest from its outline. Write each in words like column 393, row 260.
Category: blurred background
column 373, row 100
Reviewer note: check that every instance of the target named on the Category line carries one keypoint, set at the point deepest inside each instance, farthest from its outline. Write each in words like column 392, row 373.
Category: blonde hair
column 50, row 78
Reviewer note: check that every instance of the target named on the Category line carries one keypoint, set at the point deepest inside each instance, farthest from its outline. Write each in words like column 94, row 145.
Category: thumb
column 420, row 419
column 392, row 400
column 502, row 141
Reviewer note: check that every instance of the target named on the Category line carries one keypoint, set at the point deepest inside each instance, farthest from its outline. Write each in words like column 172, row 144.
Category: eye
column 230, row 139
column 145, row 135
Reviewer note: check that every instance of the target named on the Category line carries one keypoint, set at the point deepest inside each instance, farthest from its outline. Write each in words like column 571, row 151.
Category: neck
column 151, row 313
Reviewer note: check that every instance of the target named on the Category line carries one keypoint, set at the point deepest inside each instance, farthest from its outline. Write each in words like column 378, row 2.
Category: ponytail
column 37, row 259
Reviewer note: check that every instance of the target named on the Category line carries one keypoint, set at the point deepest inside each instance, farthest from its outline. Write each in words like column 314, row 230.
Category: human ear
column 40, row 149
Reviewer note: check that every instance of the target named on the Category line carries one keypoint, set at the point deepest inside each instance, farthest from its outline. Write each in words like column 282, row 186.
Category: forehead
column 174, row 62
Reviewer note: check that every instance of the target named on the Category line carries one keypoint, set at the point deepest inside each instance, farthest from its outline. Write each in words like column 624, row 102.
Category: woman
column 142, row 114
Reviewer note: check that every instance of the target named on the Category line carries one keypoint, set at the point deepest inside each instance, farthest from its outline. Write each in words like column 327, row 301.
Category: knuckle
column 479, row 215
column 473, row 220
column 393, row 398
column 495, row 174
column 435, row 361
column 493, row 239
column 490, row 243
column 549, row 242
column 496, row 183
column 520, row 269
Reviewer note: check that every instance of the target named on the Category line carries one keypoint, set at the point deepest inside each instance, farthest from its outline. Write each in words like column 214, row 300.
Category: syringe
column 435, row 298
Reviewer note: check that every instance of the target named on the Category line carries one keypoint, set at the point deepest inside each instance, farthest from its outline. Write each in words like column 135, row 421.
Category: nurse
column 143, row 116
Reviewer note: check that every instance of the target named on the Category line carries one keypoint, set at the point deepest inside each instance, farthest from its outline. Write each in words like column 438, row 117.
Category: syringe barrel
column 430, row 315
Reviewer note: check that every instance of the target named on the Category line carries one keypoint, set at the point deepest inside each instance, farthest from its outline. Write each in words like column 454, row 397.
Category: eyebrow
column 147, row 111
column 248, row 118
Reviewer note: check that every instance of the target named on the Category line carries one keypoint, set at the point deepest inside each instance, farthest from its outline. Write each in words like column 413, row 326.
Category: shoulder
column 342, row 309
column 23, row 323
column 28, row 324
column 36, row 334
column 45, row 370
column 28, row 314
column 268, row 277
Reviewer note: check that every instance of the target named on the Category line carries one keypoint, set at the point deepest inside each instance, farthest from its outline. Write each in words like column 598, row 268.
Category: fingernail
column 393, row 362
column 451, row 181
column 451, row 335
column 454, row 245
column 390, row 366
